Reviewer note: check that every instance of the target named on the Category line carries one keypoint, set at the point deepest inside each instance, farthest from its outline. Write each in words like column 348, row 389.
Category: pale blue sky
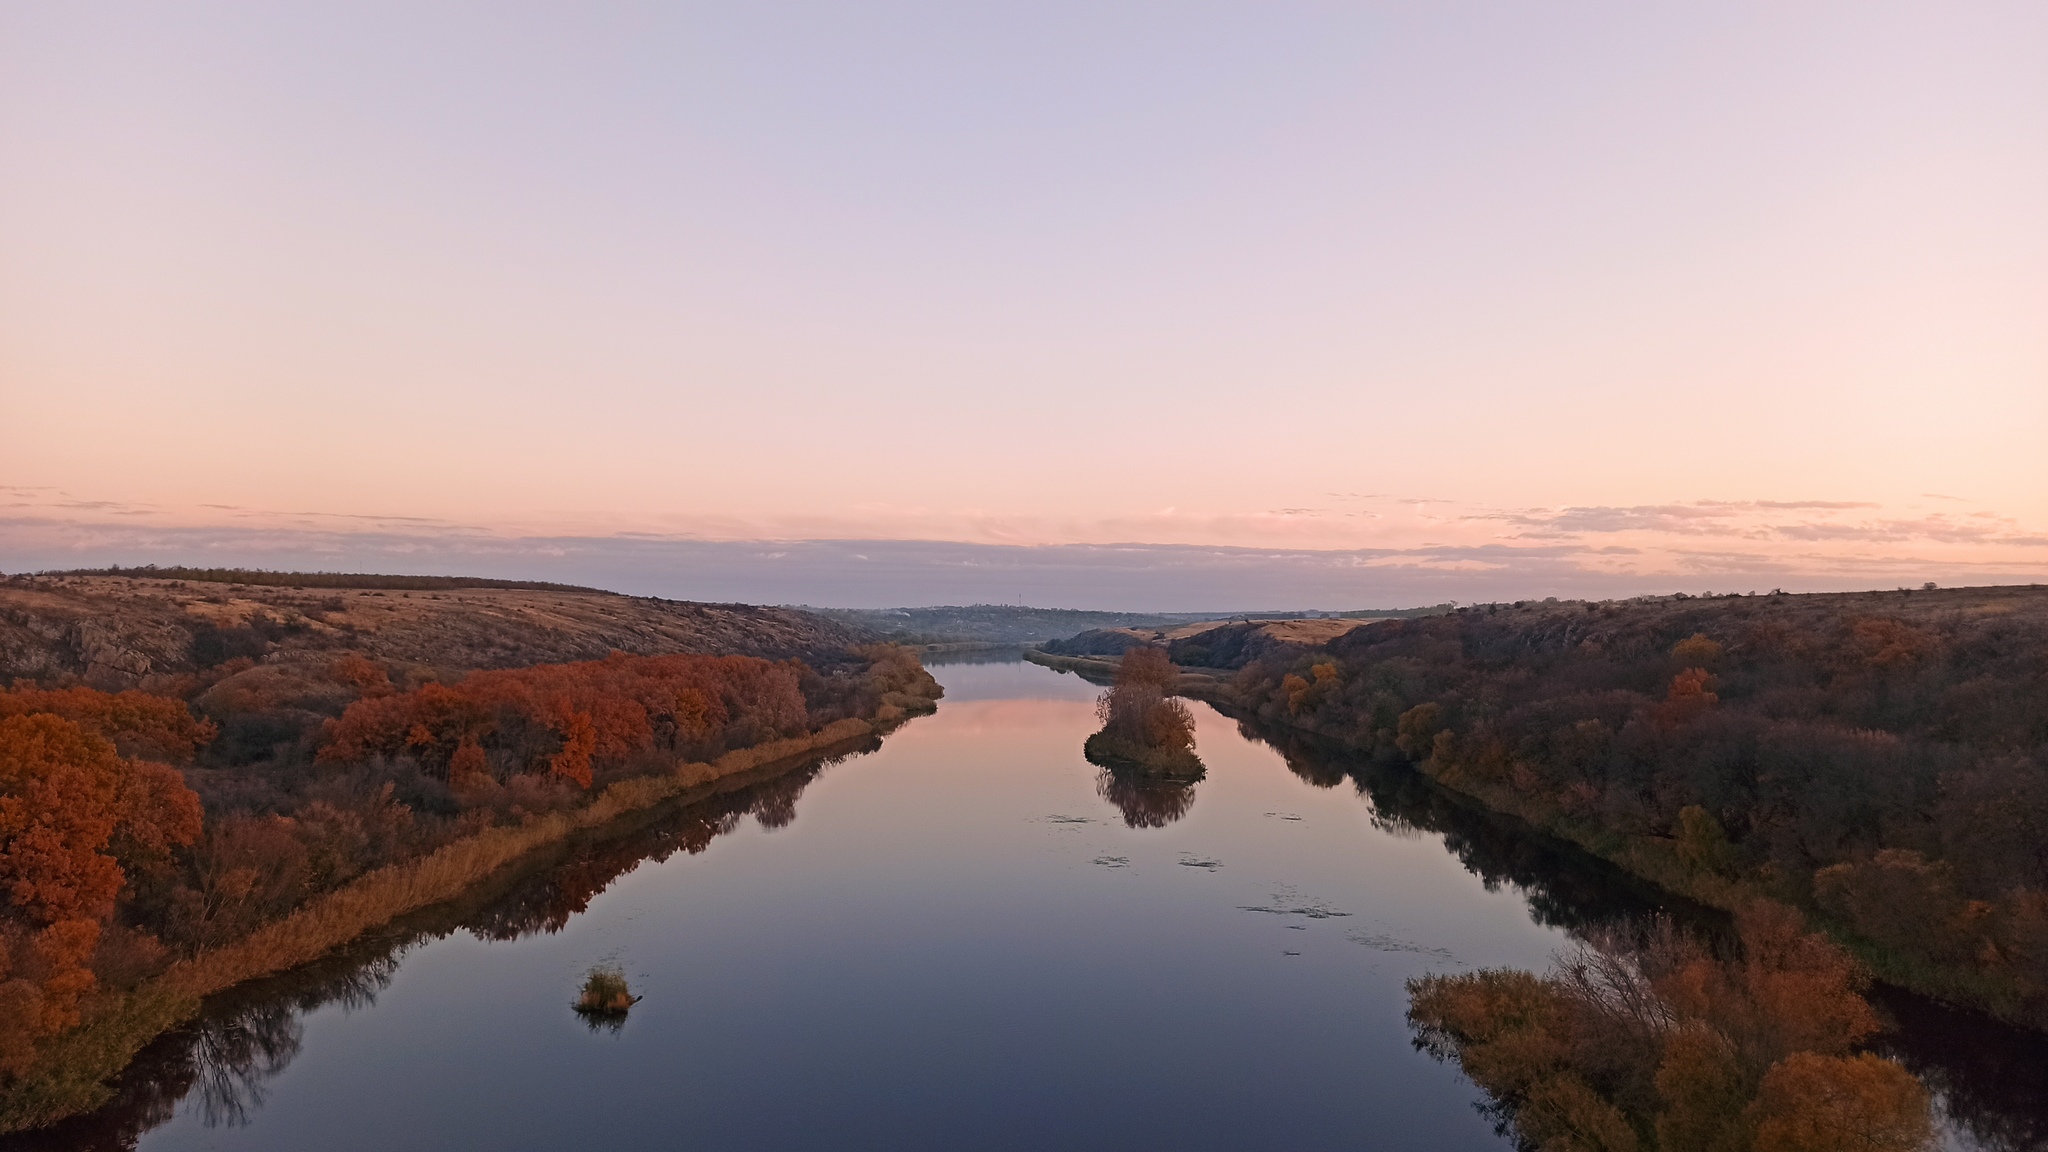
column 1388, row 277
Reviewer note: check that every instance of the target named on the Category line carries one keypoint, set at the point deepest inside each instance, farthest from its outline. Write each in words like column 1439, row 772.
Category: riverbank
column 1199, row 683
column 750, row 918
column 72, row 1073
column 1667, row 862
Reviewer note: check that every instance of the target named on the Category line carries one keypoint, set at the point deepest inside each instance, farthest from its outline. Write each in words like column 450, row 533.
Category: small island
column 1145, row 731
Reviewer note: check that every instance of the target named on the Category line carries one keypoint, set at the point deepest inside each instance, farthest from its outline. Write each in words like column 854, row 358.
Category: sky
column 1175, row 306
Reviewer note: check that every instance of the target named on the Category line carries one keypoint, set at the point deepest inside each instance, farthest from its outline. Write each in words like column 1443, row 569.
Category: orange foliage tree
column 1663, row 1045
column 140, row 723
column 73, row 811
column 1144, row 728
column 1138, row 712
column 565, row 719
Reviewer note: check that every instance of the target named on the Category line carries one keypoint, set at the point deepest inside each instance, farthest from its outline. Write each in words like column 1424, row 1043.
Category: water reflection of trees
column 221, row 1063
column 550, row 898
column 1145, row 801
column 1992, row 1079
column 1565, row 888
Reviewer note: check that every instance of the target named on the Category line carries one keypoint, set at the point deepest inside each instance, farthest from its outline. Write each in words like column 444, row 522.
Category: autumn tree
column 73, row 812
column 1143, row 727
column 1660, row 1043
column 1812, row 1103
column 139, row 723
column 567, row 720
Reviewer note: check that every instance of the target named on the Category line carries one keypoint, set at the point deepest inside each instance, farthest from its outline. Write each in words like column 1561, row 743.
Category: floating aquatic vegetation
column 1384, row 942
column 1287, row 902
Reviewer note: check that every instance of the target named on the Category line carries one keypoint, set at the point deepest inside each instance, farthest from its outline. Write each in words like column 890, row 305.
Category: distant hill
column 1007, row 624
column 991, row 623
column 264, row 577
column 123, row 630
column 1191, row 643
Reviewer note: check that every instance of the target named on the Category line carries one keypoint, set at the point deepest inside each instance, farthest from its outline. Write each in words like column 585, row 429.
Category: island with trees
column 1145, row 730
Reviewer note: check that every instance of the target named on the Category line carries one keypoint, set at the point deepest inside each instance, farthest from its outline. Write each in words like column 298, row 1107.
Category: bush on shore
column 1658, row 1044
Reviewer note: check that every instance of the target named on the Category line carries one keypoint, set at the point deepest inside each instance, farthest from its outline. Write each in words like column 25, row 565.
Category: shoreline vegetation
column 201, row 789
column 1878, row 761
column 1653, row 1040
column 219, row 1061
column 1642, row 1037
column 72, row 1075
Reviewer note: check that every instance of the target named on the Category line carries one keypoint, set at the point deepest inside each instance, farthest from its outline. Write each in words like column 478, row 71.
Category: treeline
column 137, row 830
column 564, row 721
column 1880, row 760
column 266, row 578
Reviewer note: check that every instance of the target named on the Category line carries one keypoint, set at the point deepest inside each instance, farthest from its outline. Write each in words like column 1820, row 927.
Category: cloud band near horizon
column 875, row 573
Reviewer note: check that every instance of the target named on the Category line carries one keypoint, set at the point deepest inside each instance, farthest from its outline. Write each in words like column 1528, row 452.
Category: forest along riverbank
column 1878, row 760
column 963, row 918
column 218, row 1061
column 1989, row 1078
column 959, row 912
column 223, row 817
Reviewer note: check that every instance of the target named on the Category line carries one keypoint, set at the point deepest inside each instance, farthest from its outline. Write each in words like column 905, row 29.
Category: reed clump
column 605, row 992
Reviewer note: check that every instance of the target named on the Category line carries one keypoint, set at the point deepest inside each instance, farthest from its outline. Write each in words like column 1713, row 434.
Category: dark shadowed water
column 964, row 939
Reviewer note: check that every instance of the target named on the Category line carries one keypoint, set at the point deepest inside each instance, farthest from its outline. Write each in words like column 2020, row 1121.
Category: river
column 963, row 939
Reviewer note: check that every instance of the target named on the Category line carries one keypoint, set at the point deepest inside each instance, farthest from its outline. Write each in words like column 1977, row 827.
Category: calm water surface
column 959, row 940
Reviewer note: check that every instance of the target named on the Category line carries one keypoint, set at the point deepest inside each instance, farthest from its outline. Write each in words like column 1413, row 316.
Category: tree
column 1628, row 1040
column 1703, row 1090
column 1898, row 898
column 1147, row 664
column 72, row 809
column 1814, row 1103
column 1696, row 651
column 137, row 722
column 1702, row 845
column 570, row 720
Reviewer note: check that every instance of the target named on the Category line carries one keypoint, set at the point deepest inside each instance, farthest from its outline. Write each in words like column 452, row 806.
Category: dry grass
column 73, row 1069
column 137, row 627
column 1311, row 631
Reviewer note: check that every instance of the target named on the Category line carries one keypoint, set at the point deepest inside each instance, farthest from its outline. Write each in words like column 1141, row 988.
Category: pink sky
column 1727, row 290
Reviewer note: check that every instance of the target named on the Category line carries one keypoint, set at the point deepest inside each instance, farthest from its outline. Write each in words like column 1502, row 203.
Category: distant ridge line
column 267, row 578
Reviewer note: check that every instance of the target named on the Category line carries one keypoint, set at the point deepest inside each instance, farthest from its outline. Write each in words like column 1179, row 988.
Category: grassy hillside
column 1004, row 624
column 133, row 630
